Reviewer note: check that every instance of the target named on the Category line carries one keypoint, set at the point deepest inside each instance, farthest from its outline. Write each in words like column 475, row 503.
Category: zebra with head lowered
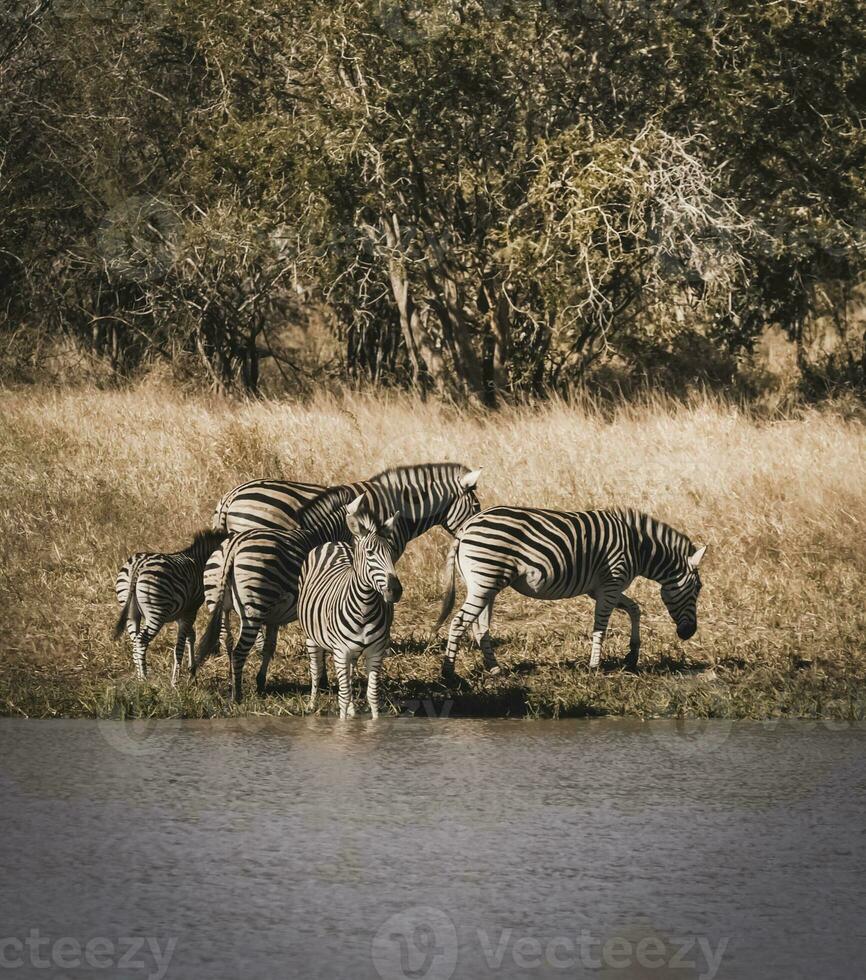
column 346, row 603
column 256, row 572
column 550, row 554
column 155, row 589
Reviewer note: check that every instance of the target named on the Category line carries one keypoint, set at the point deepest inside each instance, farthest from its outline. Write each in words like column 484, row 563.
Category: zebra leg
column 140, row 643
column 268, row 647
column 179, row 645
column 473, row 605
column 343, row 669
column 190, row 645
column 324, row 683
column 633, row 609
column 317, row 658
column 373, row 658
column 241, row 651
column 481, row 632
column 603, row 609
column 226, row 638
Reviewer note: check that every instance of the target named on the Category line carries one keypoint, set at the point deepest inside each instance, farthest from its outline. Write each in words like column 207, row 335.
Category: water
column 432, row 848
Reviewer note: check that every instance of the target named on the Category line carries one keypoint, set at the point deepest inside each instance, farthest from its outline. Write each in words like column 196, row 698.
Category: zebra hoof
column 494, row 670
column 454, row 682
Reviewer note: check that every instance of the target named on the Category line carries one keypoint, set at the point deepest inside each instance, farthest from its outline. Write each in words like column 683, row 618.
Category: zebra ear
column 388, row 526
column 470, row 480
column 353, row 506
column 695, row 559
column 355, row 512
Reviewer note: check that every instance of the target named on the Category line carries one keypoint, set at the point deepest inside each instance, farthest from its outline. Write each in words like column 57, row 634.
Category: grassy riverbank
column 87, row 477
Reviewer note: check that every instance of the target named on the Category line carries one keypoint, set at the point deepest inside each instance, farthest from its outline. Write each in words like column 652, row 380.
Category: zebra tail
column 448, row 584
column 209, row 642
column 131, row 609
column 220, row 518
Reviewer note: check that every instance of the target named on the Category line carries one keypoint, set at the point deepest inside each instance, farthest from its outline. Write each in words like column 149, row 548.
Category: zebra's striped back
column 555, row 554
column 270, row 504
column 165, row 587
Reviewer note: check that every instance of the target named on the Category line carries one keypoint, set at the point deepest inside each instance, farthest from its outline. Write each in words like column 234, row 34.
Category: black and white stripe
column 256, row 572
column 549, row 554
column 270, row 504
column 425, row 496
column 346, row 603
column 155, row 589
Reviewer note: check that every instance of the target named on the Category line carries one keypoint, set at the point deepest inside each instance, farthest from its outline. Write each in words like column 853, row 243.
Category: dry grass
column 87, row 477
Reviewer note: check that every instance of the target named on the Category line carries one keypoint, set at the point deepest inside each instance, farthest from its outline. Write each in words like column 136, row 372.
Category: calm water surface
column 430, row 849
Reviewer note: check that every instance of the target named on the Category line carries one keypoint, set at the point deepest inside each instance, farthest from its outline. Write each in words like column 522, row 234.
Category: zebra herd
column 281, row 551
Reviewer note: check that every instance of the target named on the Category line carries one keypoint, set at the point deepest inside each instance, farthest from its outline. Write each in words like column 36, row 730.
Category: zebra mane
column 393, row 481
column 327, row 503
column 652, row 531
column 426, row 473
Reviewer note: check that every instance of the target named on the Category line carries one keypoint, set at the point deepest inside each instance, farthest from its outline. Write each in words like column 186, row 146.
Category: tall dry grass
column 88, row 476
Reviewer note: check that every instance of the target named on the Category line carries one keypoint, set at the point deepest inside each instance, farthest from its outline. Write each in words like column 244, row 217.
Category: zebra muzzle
column 393, row 590
column 687, row 629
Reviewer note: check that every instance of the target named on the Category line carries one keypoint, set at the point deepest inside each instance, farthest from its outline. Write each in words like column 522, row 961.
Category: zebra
column 155, row 589
column 346, row 603
column 424, row 495
column 270, row 504
column 550, row 554
column 256, row 572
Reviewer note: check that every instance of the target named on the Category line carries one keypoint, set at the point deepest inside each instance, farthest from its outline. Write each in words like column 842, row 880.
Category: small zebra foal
column 346, row 603
column 155, row 589
column 552, row 554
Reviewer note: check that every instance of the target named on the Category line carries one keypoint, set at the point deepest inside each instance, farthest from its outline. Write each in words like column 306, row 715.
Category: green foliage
column 484, row 196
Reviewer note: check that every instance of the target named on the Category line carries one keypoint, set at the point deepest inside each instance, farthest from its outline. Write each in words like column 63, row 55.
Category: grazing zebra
column 346, row 603
column 155, row 589
column 263, row 503
column 550, row 554
column 256, row 572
